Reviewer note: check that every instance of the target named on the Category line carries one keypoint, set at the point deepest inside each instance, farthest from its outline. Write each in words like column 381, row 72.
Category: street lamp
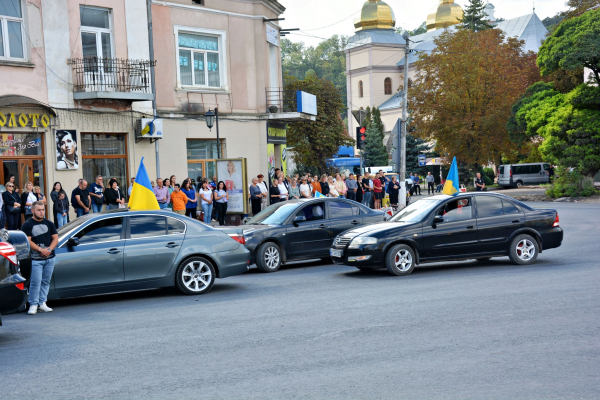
column 211, row 117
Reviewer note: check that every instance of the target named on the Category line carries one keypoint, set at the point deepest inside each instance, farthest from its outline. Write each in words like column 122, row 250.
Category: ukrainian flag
column 142, row 195
column 451, row 185
column 319, row 194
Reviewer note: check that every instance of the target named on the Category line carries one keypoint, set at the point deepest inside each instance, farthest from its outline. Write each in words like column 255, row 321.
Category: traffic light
column 360, row 137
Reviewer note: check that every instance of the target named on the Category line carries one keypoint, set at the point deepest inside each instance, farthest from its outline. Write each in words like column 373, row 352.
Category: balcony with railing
column 111, row 78
column 282, row 105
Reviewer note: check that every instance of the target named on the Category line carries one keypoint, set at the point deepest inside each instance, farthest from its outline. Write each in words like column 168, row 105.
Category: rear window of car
column 510, row 208
column 501, row 170
column 489, row 207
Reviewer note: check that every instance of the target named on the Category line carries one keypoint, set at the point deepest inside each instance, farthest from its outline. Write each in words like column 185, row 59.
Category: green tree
column 415, row 146
column 552, row 22
column 418, row 31
column 474, row 17
column 376, row 153
column 314, row 142
column 578, row 7
column 574, row 44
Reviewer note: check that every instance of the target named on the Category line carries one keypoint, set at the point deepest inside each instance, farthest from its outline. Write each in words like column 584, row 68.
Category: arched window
column 387, row 85
column 360, row 89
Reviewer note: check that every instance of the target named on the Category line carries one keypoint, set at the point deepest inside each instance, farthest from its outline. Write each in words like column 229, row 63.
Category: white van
column 517, row 175
column 374, row 170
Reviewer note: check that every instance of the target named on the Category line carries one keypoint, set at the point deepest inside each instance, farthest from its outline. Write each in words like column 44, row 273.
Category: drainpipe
column 152, row 80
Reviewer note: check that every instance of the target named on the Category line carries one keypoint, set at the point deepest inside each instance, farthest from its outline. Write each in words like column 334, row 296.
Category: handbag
column 13, row 210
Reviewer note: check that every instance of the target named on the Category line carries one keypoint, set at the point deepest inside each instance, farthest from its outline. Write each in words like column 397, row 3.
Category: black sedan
column 123, row 250
column 301, row 229
column 13, row 292
column 441, row 228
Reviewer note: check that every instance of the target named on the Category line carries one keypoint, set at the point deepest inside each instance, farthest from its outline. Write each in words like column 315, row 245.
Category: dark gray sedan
column 125, row 250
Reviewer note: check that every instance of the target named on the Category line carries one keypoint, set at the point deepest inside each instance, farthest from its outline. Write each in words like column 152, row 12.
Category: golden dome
column 375, row 15
column 446, row 14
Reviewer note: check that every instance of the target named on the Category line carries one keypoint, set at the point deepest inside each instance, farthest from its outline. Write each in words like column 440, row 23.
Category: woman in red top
column 378, row 192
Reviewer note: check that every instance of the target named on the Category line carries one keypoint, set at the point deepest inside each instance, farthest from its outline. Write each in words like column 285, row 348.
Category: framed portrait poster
column 233, row 173
column 67, row 156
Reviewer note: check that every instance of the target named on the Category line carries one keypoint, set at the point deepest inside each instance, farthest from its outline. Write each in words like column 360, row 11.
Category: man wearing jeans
column 368, row 190
column 43, row 239
column 430, row 181
column 97, row 194
column 162, row 194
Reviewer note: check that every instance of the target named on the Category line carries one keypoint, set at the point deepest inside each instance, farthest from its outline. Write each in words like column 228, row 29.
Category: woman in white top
column 221, row 196
column 28, row 198
column 332, row 190
column 305, row 189
column 206, row 195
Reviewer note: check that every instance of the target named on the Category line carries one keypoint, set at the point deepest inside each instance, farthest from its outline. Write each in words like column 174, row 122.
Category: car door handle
column 114, row 251
column 470, row 227
column 322, row 226
column 516, row 221
column 355, row 222
column 172, row 244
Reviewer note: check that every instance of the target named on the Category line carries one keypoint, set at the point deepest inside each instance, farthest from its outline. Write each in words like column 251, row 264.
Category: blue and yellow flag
column 451, row 185
column 142, row 195
column 319, row 194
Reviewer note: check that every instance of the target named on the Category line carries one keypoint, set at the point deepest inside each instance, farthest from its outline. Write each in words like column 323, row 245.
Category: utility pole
column 152, row 81
column 402, row 152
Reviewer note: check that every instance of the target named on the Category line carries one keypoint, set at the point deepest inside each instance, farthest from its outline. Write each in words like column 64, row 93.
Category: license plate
column 336, row 253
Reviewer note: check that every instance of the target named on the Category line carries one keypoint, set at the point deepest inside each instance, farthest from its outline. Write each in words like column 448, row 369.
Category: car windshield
column 416, row 211
column 273, row 215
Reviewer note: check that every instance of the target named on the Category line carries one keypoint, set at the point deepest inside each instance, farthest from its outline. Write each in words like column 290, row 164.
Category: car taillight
column 238, row 238
column 8, row 252
column 20, row 286
column 556, row 221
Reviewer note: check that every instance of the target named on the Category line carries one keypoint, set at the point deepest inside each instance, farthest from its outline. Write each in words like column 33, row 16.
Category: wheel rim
column 525, row 250
column 196, row 276
column 271, row 257
column 403, row 260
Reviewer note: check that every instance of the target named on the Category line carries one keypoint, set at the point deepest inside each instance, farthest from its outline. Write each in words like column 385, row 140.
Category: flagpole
column 403, row 128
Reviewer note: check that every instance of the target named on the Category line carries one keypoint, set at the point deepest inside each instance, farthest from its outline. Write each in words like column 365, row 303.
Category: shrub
column 571, row 184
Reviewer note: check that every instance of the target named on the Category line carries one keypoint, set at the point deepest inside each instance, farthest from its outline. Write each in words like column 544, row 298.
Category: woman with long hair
column 221, row 197
column 54, row 195
column 332, row 190
column 12, row 205
column 359, row 189
column 66, row 148
column 28, row 197
column 324, row 186
column 206, row 195
column 190, row 207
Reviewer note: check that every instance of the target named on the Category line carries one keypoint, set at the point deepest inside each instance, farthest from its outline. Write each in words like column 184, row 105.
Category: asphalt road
column 448, row 331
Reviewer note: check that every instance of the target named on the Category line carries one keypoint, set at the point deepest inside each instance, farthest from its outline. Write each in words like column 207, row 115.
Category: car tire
column 400, row 260
column 523, row 250
column 483, row 259
column 268, row 257
column 519, row 184
column 194, row 276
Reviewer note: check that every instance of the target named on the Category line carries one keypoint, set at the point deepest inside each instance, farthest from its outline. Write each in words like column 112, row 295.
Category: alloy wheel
column 196, row 276
column 403, row 260
column 272, row 257
column 525, row 250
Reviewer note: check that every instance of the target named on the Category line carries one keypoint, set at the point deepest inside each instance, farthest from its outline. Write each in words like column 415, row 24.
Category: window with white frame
column 96, row 37
column 12, row 45
column 199, row 59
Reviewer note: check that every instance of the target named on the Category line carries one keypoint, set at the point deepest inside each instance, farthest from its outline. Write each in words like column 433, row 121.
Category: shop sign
column 22, row 120
column 277, row 133
column 272, row 35
column 307, row 103
column 20, row 144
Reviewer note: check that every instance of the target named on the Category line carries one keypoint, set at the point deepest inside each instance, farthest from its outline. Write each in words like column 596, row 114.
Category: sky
column 313, row 16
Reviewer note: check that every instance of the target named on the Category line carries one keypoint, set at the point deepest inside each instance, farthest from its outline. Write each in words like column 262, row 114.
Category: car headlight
column 359, row 241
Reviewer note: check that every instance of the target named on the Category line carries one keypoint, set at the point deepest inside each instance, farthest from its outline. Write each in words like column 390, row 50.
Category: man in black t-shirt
column 43, row 239
column 479, row 183
column 82, row 199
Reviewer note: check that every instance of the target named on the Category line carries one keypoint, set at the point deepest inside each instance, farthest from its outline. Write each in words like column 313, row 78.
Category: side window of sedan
column 489, row 207
column 510, row 208
column 141, row 226
column 175, row 226
column 456, row 210
column 105, row 230
column 340, row 209
column 312, row 212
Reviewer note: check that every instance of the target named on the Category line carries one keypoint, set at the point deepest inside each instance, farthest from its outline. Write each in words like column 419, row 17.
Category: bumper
column 552, row 238
column 365, row 256
column 232, row 263
column 12, row 299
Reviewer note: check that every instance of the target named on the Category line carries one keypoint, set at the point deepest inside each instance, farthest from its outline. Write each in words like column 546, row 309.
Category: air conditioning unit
column 149, row 128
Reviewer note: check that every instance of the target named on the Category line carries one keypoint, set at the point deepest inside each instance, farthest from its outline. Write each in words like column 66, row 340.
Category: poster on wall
column 271, row 160
column 66, row 149
column 233, row 173
column 284, row 159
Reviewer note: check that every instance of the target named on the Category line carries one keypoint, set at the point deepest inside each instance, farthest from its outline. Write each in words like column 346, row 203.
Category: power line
column 335, row 23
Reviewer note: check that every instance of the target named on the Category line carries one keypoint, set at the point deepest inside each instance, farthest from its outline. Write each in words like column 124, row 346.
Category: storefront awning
column 344, row 162
column 13, row 100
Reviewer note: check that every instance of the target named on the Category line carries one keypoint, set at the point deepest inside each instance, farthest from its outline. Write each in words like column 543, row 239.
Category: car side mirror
column 74, row 241
column 298, row 218
column 437, row 219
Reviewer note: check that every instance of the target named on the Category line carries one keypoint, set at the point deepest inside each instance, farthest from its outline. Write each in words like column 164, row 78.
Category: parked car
column 13, row 291
column 301, row 229
column 123, row 250
column 517, row 175
column 443, row 228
